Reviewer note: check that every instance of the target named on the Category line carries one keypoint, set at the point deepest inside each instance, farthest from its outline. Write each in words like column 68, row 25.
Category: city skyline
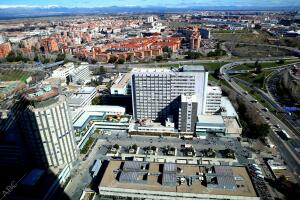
column 146, row 3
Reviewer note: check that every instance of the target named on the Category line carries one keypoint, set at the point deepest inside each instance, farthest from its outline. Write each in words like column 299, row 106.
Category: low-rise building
column 121, row 85
column 80, row 99
column 132, row 179
column 209, row 124
column 81, row 74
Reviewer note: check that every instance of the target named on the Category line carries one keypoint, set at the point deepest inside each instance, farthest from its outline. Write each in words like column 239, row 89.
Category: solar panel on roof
column 169, row 179
column 130, row 165
column 225, row 170
column 169, row 167
column 226, row 182
column 128, row 177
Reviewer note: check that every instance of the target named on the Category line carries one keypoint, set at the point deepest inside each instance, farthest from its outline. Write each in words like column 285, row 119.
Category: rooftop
column 121, row 81
column 151, row 178
column 214, row 89
column 210, row 120
column 41, row 93
column 188, row 98
column 193, row 68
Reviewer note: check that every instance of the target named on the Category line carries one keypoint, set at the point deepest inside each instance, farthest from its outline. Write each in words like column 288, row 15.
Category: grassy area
column 14, row 75
column 248, row 66
column 212, row 78
column 87, row 145
column 231, row 31
column 256, row 96
column 213, row 65
column 208, row 65
column 257, row 80
column 257, row 37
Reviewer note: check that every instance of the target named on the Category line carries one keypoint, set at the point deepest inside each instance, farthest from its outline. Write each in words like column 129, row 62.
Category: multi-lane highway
column 286, row 149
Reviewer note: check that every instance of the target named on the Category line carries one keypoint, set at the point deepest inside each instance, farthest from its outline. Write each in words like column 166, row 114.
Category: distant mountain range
column 53, row 10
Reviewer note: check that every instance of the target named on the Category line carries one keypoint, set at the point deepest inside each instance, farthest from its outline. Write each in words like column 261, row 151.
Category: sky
column 146, row 3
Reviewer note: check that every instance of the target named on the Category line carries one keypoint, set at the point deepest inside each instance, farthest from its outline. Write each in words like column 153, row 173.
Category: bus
column 284, row 135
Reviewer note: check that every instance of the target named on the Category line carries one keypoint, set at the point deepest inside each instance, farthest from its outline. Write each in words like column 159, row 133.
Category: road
column 286, row 150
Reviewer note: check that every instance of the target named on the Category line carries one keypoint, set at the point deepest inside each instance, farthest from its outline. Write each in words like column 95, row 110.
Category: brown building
column 5, row 48
column 48, row 45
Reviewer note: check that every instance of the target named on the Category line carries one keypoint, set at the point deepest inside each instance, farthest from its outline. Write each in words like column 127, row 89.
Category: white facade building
column 213, row 99
column 81, row 74
column 156, row 91
column 121, row 85
column 48, row 127
column 63, row 72
column 80, row 99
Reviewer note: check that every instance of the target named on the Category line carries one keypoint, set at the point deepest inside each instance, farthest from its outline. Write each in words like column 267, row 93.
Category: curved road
column 286, row 150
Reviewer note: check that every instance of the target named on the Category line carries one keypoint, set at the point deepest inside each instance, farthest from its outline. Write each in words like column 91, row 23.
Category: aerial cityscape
column 140, row 99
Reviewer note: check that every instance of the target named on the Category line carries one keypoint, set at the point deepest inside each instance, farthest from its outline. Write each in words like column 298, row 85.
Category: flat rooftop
column 122, row 81
column 150, row 70
column 210, row 120
column 151, row 178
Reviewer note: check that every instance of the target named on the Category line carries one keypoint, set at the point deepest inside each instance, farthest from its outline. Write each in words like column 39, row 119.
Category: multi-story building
column 213, row 99
column 80, row 99
column 188, row 113
column 156, row 91
column 81, row 74
column 48, row 45
column 48, row 129
column 63, row 72
column 5, row 48
column 121, row 85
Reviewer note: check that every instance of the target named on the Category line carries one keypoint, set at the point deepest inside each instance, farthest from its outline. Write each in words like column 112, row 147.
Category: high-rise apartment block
column 188, row 113
column 48, row 129
column 156, row 92
column 213, row 99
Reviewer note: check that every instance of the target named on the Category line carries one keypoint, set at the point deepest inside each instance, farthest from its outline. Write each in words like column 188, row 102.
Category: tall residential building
column 213, row 99
column 48, row 128
column 188, row 113
column 156, row 91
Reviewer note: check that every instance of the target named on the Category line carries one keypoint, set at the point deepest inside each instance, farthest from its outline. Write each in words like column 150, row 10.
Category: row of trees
column 252, row 123
column 17, row 57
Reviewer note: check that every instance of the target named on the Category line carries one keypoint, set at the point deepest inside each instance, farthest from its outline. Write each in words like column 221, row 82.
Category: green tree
column 112, row 59
column 129, row 58
column 257, row 67
column 11, row 57
column 262, row 130
column 134, row 147
column 158, row 58
column 96, row 100
column 36, row 58
column 60, row 57
column 280, row 62
column 120, row 61
column 193, row 55
column 167, row 49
